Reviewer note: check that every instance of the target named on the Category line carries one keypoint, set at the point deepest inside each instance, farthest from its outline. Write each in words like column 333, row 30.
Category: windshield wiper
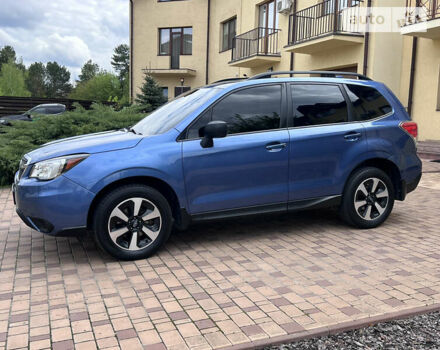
column 131, row 130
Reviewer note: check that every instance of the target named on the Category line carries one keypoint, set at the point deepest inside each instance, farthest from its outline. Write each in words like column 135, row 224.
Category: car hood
column 92, row 143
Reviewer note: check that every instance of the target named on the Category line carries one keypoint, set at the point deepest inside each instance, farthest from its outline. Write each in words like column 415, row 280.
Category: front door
column 247, row 168
column 324, row 141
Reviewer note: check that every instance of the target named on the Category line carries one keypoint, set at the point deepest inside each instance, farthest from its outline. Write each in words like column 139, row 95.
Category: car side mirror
column 213, row 130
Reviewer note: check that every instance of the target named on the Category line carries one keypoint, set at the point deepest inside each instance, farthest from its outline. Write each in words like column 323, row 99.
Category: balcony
column 422, row 19
column 324, row 26
column 257, row 47
column 165, row 72
column 174, row 65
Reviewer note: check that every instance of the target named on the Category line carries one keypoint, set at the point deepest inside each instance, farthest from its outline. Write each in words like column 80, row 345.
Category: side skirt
column 314, row 203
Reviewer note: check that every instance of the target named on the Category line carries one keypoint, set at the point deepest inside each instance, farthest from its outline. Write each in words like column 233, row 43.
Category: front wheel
column 368, row 198
column 132, row 222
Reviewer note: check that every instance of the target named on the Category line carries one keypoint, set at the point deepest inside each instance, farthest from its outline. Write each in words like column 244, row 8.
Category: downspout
column 412, row 75
column 367, row 39
column 131, row 50
column 207, row 42
column 292, row 55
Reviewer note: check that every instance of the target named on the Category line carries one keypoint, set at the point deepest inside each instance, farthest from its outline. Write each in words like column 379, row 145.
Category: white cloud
column 67, row 31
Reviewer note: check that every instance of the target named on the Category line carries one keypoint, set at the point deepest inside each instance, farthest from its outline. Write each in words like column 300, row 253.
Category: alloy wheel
column 371, row 199
column 134, row 224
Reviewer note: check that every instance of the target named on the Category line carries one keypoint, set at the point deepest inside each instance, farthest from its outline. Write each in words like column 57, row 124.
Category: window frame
column 159, row 36
column 283, row 109
column 222, row 24
column 291, row 121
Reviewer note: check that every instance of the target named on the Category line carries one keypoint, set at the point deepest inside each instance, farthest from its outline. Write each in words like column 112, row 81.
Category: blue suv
column 238, row 147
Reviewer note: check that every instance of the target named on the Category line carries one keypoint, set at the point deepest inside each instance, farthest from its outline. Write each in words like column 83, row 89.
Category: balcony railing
column 257, row 42
column 326, row 18
column 422, row 10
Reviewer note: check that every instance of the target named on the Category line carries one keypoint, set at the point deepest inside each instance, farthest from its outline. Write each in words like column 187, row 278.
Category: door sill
column 313, row 203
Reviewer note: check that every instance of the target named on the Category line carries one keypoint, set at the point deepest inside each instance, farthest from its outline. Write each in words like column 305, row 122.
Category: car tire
column 132, row 222
column 368, row 198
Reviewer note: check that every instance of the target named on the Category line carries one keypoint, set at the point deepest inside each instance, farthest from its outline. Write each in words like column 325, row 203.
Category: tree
column 125, row 99
column 7, row 55
column 121, row 60
column 12, row 81
column 57, row 80
column 151, row 96
column 36, row 79
column 88, row 71
column 101, row 88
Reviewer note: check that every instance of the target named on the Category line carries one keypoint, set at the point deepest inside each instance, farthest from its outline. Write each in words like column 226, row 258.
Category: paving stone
column 218, row 284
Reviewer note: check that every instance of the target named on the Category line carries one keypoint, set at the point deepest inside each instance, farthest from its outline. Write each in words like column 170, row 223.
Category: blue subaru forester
column 238, row 147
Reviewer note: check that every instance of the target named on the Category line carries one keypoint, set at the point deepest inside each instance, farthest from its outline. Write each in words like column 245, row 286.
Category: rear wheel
column 132, row 222
column 368, row 198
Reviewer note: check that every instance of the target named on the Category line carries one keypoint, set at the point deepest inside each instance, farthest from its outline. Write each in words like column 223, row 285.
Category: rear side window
column 368, row 103
column 250, row 110
column 54, row 110
column 315, row 104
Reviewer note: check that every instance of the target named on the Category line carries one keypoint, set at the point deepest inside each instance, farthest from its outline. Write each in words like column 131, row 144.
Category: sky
column 67, row 31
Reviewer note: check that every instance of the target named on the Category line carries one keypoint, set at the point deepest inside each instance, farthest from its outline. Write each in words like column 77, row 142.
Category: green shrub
column 23, row 137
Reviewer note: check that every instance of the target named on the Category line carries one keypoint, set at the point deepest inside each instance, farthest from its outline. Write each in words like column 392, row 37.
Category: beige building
column 189, row 43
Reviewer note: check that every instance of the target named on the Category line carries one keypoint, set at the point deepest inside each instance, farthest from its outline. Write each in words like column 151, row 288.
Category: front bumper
column 52, row 207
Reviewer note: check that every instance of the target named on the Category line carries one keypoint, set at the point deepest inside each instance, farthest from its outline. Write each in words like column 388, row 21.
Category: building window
column 329, row 5
column 178, row 90
column 268, row 16
column 165, row 91
column 228, row 33
column 175, row 40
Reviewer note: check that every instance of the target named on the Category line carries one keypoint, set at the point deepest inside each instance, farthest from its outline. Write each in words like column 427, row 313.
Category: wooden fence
column 17, row 105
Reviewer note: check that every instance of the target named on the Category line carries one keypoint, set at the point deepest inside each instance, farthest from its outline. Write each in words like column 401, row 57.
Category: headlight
column 52, row 168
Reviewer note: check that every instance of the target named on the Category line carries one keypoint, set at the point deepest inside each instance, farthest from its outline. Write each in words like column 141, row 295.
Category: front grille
column 24, row 162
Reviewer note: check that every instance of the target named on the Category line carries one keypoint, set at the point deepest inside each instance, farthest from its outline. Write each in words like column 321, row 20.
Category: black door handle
column 276, row 146
column 353, row 136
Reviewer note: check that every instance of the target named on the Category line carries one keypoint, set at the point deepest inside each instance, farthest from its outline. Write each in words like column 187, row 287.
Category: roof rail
column 228, row 80
column 321, row 72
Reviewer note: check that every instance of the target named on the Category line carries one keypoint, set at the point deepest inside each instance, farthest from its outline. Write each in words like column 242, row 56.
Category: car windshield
column 35, row 110
column 172, row 113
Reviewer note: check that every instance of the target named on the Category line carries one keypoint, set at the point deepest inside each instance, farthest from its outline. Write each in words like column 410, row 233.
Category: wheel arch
column 386, row 165
column 160, row 185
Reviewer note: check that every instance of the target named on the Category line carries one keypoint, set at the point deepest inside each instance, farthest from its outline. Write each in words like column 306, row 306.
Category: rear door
column 324, row 140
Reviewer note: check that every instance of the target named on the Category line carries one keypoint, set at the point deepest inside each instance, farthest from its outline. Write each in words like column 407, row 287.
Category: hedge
column 22, row 137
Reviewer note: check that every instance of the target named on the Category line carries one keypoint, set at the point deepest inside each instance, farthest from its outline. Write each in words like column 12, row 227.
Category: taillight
column 410, row 128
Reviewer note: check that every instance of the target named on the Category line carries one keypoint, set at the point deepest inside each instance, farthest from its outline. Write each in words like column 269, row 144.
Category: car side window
column 194, row 131
column 39, row 110
column 251, row 109
column 55, row 110
column 315, row 104
column 368, row 103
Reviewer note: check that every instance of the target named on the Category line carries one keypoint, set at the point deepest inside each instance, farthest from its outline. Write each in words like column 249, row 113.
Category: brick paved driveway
column 221, row 284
